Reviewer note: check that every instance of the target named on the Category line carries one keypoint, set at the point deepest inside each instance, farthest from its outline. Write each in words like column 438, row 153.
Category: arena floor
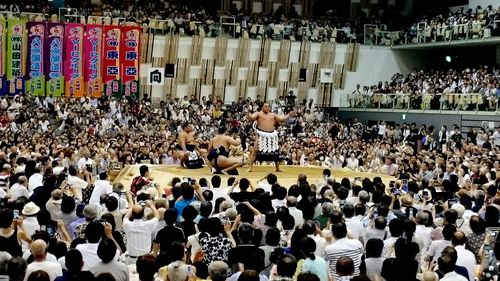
column 163, row 174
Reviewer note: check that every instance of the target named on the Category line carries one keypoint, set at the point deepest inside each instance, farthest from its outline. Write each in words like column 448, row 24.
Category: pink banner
column 73, row 64
column 93, row 60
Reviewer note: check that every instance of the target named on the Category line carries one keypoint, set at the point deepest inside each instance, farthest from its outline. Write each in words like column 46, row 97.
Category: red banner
column 93, row 59
column 74, row 60
column 130, row 60
column 111, row 60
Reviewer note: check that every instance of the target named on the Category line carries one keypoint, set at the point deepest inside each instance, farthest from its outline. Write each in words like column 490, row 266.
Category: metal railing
column 431, row 34
column 443, row 102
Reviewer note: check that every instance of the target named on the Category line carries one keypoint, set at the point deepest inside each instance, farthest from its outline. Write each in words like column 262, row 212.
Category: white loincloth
column 268, row 141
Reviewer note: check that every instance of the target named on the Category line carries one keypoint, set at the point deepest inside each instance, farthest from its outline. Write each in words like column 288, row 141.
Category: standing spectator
column 19, row 189
column 17, row 269
column 94, row 232
column 39, row 252
column 343, row 246
column 314, row 263
column 372, row 264
column 345, row 268
column 447, row 266
column 465, row 257
column 297, row 215
column 4, row 261
column 139, row 230
column 74, row 264
column 11, row 232
column 218, row 271
column 102, row 186
column 476, row 239
column 244, row 249
column 106, row 252
column 168, row 234
column 77, row 227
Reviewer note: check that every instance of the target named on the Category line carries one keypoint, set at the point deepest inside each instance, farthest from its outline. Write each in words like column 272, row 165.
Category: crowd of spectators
column 467, row 89
column 62, row 219
column 459, row 25
column 201, row 18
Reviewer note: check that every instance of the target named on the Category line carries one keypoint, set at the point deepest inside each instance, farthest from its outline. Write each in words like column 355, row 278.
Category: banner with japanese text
column 54, row 50
column 16, row 56
column 73, row 63
column 3, row 45
column 130, row 60
column 35, row 72
column 93, row 66
column 111, row 60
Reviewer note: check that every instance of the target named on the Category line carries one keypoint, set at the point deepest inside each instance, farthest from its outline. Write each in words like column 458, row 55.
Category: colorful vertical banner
column 93, row 53
column 130, row 61
column 54, row 69
column 73, row 64
column 3, row 45
column 35, row 72
column 16, row 52
column 111, row 60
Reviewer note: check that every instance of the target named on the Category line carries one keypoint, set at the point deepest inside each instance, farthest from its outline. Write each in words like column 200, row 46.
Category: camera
column 50, row 227
column 189, row 180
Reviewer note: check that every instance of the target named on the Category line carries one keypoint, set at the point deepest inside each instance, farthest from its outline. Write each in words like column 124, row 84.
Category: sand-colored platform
column 164, row 174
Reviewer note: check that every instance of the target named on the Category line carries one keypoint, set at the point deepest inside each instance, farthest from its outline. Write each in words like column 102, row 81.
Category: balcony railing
column 430, row 34
column 442, row 102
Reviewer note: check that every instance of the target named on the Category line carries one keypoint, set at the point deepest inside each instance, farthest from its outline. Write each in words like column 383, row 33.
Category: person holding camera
column 139, row 230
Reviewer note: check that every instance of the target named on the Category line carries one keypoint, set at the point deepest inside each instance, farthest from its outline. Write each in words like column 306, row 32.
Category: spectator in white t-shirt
column 39, row 252
column 102, row 186
column 19, row 189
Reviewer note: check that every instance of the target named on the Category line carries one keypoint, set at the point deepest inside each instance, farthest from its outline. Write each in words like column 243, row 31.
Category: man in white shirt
column 102, row 186
column 217, row 191
column 465, row 257
column 447, row 263
column 294, row 212
column 438, row 246
column 76, row 183
column 19, row 189
column 39, row 252
column 496, row 137
column 279, row 201
column 94, row 232
column 35, row 180
column 267, row 185
column 423, row 232
column 105, row 252
column 342, row 246
column 139, row 230
column 354, row 225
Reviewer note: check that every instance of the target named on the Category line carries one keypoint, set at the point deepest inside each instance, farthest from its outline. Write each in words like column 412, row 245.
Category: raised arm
column 283, row 118
column 253, row 116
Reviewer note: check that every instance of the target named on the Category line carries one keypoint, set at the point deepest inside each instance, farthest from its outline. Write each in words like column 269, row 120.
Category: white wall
column 374, row 64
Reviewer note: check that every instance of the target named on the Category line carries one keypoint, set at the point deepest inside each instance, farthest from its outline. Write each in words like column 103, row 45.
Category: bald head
column 38, row 249
column 458, row 239
column 137, row 212
column 291, row 201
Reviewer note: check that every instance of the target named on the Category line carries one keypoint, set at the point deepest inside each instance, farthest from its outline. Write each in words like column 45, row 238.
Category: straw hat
column 30, row 209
